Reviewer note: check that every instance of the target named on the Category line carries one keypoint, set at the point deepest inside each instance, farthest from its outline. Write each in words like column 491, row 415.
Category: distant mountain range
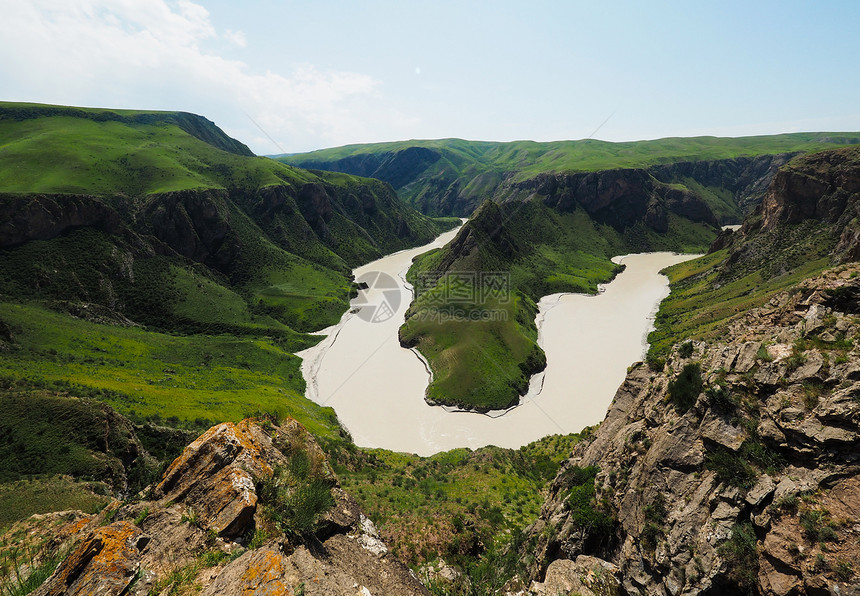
column 453, row 176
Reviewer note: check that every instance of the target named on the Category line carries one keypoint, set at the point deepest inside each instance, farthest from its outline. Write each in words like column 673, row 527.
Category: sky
column 297, row 75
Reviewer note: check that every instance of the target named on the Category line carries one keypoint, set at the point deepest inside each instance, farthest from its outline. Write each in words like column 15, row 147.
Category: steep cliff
column 728, row 465
column 733, row 469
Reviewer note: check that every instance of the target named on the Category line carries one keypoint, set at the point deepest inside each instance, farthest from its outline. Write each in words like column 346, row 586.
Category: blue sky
column 300, row 75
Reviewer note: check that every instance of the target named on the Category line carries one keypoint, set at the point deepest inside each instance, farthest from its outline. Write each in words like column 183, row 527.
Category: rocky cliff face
column 434, row 185
column 619, row 198
column 746, row 477
column 42, row 217
column 733, row 468
column 820, row 187
column 213, row 525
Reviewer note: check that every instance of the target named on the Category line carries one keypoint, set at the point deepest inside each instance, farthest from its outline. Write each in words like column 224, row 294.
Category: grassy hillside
column 162, row 217
column 151, row 375
column 151, row 264
column 453, row 176
column 462, row 506
column 530, row 157
column 473, row 318
column 807, row 224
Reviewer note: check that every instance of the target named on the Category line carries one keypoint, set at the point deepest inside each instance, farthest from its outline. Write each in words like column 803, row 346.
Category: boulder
column 104, row 563
column 587, row 576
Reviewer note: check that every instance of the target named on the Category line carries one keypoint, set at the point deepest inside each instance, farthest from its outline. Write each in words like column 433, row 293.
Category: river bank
column 377, row 387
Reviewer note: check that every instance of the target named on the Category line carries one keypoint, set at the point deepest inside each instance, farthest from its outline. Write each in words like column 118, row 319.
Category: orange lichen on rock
column 104, row 563
column 214, row 476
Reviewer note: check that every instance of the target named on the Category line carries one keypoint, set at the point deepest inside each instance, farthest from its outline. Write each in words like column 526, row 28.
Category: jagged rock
column 809, row 369
column 708, row 467
column 775, row 579
column 718, row 430
column 746, row 358
column 207, row 502
column 104, row 563
column 587, row 576
column 214, row 476
column 763, row 489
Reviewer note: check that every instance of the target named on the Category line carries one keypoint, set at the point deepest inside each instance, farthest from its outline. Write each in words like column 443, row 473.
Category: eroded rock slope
column 248, row 508
column 736, row 468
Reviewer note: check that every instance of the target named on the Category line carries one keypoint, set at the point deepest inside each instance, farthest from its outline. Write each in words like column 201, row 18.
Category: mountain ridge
column 452, row 176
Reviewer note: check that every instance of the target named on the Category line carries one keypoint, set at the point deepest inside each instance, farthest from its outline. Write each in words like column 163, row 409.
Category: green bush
column 721, row 399
column 843, row 570
column 686, row 349
column 598, row 527
column 741, row 468
column 686, row 387
column 817, row 525
column 294, row 498
column 731, row 468
column 741, row 557
column 655, row 362
column 655, row 516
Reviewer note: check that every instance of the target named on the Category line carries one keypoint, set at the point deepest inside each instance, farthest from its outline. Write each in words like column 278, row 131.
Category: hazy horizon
column 290, row 77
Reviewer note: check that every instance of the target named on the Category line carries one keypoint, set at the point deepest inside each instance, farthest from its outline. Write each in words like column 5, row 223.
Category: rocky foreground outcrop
column 207, row 527
column 735, row 469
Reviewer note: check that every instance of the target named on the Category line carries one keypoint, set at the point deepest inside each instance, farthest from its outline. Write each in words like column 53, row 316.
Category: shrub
column 597, row 526
column 654, row 362
column 731, row 468
column 686, row 349
column 294, row 497
column 736, row 468
column 686, row 387
column 843, row 570
column 655, row 517
column 721, row 399
column 741, row 557
column 817, row 525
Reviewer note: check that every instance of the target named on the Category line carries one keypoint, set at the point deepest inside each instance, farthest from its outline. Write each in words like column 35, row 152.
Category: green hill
column 483, row 350
column 133, row 224
column 453, row 176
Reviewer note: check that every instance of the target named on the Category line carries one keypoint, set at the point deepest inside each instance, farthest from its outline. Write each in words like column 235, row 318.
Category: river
column 377, row 387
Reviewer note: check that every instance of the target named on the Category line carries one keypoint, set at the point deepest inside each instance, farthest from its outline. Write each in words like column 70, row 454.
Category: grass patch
column 150, row 375
column 458, row 505
column 22, row 498
column 817, row 525
column 296, row 495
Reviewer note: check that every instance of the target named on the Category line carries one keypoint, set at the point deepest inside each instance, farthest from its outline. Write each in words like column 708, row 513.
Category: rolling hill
column 151, row 256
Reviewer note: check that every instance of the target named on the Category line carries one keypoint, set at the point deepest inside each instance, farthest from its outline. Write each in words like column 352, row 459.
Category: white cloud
column 237, row 38
column 147, row 54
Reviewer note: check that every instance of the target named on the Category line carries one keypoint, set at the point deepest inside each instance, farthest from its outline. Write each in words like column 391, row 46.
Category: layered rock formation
column 207, row 527
column 453, row 177
column 753, row 483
